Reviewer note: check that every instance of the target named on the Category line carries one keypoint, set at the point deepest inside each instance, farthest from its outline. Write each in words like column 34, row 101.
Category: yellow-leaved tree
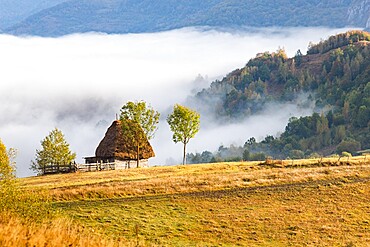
column 184, row 123
column 7, row 177
column 55, row 151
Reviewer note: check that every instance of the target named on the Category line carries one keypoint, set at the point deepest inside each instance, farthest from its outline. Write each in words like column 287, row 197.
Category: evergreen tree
column 298, row 57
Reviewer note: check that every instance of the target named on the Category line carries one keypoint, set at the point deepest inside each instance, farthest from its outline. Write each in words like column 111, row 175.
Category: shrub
column 28, row 205
column 350, row 146
column 346, row 154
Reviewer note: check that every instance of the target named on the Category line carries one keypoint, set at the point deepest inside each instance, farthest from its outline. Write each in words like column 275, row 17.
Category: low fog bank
column 78, row 83
column 214, row 133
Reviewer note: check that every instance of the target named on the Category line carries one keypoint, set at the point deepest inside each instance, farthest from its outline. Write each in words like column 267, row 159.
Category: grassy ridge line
column 194, row 178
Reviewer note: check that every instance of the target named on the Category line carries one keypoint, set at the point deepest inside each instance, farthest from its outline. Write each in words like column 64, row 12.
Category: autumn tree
column 55, row 151
column 139, row 123
column 7, row 169
column 184, row 123
column 7, row 177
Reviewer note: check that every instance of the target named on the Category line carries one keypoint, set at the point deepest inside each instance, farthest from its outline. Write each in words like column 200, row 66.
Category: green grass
column 332, row 214
column 229, row 204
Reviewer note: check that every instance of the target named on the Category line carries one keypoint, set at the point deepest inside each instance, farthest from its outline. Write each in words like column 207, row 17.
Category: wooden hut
column 118, row 149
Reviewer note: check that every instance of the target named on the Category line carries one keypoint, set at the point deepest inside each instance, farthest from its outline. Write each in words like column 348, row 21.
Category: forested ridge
column 137, row 16
column 335, row 74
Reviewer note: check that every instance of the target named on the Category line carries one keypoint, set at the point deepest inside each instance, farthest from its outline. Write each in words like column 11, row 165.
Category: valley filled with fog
column 78, row 84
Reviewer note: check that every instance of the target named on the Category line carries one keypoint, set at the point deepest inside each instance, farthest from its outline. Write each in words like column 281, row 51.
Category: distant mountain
column 136, row 16
column 13, row 12
column 359, row 14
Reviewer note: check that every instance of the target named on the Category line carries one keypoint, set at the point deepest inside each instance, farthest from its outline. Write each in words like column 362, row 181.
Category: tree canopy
column 184, row 123
column 8, row 188
column 142, row 114
column 139, row 123
column 4, row 160
column 7, row 168
column 55, row 151
column 333, row 76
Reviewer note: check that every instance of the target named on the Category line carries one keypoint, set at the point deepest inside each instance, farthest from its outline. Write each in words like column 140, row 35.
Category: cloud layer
column 79, row 82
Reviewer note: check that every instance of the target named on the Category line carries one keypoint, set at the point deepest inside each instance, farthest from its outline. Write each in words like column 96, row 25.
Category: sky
column 78, row 83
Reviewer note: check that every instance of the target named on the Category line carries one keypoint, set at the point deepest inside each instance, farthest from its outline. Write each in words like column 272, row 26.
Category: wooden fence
column 54, row 169
column 97, row 167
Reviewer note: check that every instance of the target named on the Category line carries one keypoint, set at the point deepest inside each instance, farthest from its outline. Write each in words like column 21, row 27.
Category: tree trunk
column 184, row 158
column 138, row 155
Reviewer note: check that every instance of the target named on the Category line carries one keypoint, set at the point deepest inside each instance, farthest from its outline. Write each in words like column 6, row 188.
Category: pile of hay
column 118, row 145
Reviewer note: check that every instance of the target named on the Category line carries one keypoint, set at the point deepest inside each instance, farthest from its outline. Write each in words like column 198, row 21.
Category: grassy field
column 276, row 203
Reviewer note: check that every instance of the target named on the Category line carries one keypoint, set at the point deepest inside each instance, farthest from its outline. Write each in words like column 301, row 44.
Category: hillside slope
column 309, row 202
column 359, row 14
column 13, row 12
column 135, row 16
column 334, row 76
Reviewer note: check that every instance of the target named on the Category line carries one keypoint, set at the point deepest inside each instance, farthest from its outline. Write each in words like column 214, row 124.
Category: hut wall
column 121, row 164
column 127, row 164
column 112, row 163
column 144, row 163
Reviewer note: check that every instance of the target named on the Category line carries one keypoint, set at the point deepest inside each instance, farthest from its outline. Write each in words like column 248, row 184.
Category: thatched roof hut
column 117, row 145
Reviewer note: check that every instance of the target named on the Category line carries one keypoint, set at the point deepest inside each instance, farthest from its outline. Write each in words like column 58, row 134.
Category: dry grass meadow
column 318, row 202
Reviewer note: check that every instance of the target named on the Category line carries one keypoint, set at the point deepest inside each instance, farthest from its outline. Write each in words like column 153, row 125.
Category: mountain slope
column 12, row 12
column 359, row 14
column 134, row 16
column 274, row 76
column 335, row 75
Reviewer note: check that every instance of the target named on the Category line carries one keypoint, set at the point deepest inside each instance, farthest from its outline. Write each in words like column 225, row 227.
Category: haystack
column 116, row 144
